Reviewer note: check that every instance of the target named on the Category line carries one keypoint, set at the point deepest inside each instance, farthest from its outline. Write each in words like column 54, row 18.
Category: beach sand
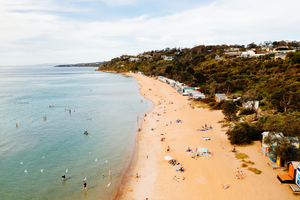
column 204, row 177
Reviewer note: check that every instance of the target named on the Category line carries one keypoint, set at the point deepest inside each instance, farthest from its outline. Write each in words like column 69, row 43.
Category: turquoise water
column 105, row 105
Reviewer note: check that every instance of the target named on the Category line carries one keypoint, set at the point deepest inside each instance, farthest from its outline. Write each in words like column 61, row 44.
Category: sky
column 83, row 31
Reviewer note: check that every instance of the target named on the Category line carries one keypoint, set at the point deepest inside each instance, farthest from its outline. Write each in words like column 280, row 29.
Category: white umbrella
column 168, row 158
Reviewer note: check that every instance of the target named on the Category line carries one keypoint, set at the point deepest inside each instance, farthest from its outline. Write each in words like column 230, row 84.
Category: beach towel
column 201, row 130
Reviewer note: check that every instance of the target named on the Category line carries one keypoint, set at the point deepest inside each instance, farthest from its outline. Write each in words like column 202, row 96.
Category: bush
column 241, row 156
column 216, row 106
column 256, row 171
column 246, row 111
column 243, row 133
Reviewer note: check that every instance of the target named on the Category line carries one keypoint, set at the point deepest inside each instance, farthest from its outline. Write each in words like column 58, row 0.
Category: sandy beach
column 202, row 178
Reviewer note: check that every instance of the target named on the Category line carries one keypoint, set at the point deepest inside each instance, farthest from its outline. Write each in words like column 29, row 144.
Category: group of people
column 63, row 178
column 239, row 174
column 206, row 127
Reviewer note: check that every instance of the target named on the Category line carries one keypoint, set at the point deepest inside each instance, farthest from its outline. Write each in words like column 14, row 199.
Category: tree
column 252, row 96
column 283, row 135
column 190, row 70
column 229, row 109
column 251, row 45
column 282, row 43
column 199, row 75
column 282, row 99
column 243, row 133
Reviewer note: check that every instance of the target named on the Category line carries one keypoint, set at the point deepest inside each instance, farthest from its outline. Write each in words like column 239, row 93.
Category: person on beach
column 168, row 149
column 233, row 149
column 137, row 175
column 242, row 175
column 84, row 186
column 225, row 186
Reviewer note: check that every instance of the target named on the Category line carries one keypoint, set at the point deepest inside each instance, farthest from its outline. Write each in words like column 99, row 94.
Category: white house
column 134, row 59
column 249, row 104
column 167, row 58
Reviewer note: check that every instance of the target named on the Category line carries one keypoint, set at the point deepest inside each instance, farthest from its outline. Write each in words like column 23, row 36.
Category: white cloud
column 119, row 2
column 54, row 38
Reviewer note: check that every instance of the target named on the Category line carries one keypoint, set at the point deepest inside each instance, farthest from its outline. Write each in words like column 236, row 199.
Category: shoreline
column 202, row 177
column 127, row 174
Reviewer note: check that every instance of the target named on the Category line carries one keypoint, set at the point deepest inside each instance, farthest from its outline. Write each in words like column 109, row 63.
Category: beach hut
column 265, row 148
column 202, row 151
column 220, row 97
column 198, row 95
column 296, row 187
column 290, row 177
column 186, row 90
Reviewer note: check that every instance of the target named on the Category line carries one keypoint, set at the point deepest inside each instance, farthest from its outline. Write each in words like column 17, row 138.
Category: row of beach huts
column 185, row 90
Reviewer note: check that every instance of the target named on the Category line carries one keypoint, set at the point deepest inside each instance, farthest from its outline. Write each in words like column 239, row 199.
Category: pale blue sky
column 74, row 31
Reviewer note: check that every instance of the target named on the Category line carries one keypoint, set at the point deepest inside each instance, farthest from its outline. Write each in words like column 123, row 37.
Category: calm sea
column 34, row 155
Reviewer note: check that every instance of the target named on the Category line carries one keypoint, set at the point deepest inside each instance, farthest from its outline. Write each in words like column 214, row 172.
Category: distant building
column 280, row 55
column 134, row 59
column 124, row 56
column 220, row 97
column 167, row 58
column 250, row 104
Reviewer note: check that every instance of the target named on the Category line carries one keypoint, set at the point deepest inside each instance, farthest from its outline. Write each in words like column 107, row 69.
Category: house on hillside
column 168, row 58
column 134, row 59
column 250, row 104
column 233, row 53
column 283, row 49
column 248, row 53
column 124, row 56
column 280, row 55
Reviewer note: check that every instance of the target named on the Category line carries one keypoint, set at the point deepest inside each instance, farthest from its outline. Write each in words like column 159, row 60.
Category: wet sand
column 203, row 177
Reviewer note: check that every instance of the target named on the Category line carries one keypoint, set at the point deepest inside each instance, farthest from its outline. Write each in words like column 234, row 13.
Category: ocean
column 53, row 107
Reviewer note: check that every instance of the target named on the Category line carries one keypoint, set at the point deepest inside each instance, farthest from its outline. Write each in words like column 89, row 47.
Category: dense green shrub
column 243, row 133
column 246, row 111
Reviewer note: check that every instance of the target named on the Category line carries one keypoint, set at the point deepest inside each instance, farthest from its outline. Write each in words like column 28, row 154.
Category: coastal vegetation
column 272, row 80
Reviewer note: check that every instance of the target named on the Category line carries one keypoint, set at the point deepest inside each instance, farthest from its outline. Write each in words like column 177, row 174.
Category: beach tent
column 290, row 177
column 201, row 150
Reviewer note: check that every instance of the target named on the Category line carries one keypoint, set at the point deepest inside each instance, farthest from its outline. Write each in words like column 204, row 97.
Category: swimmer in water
column 63, row 177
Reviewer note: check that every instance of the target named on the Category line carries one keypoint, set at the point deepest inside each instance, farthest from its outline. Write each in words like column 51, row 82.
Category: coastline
column 127, row 174
column 203, row 177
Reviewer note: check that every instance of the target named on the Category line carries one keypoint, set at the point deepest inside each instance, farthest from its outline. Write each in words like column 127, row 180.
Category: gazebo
column 202, row 150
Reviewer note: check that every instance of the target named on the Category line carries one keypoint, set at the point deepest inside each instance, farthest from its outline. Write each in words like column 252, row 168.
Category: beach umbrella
column 168, row 158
